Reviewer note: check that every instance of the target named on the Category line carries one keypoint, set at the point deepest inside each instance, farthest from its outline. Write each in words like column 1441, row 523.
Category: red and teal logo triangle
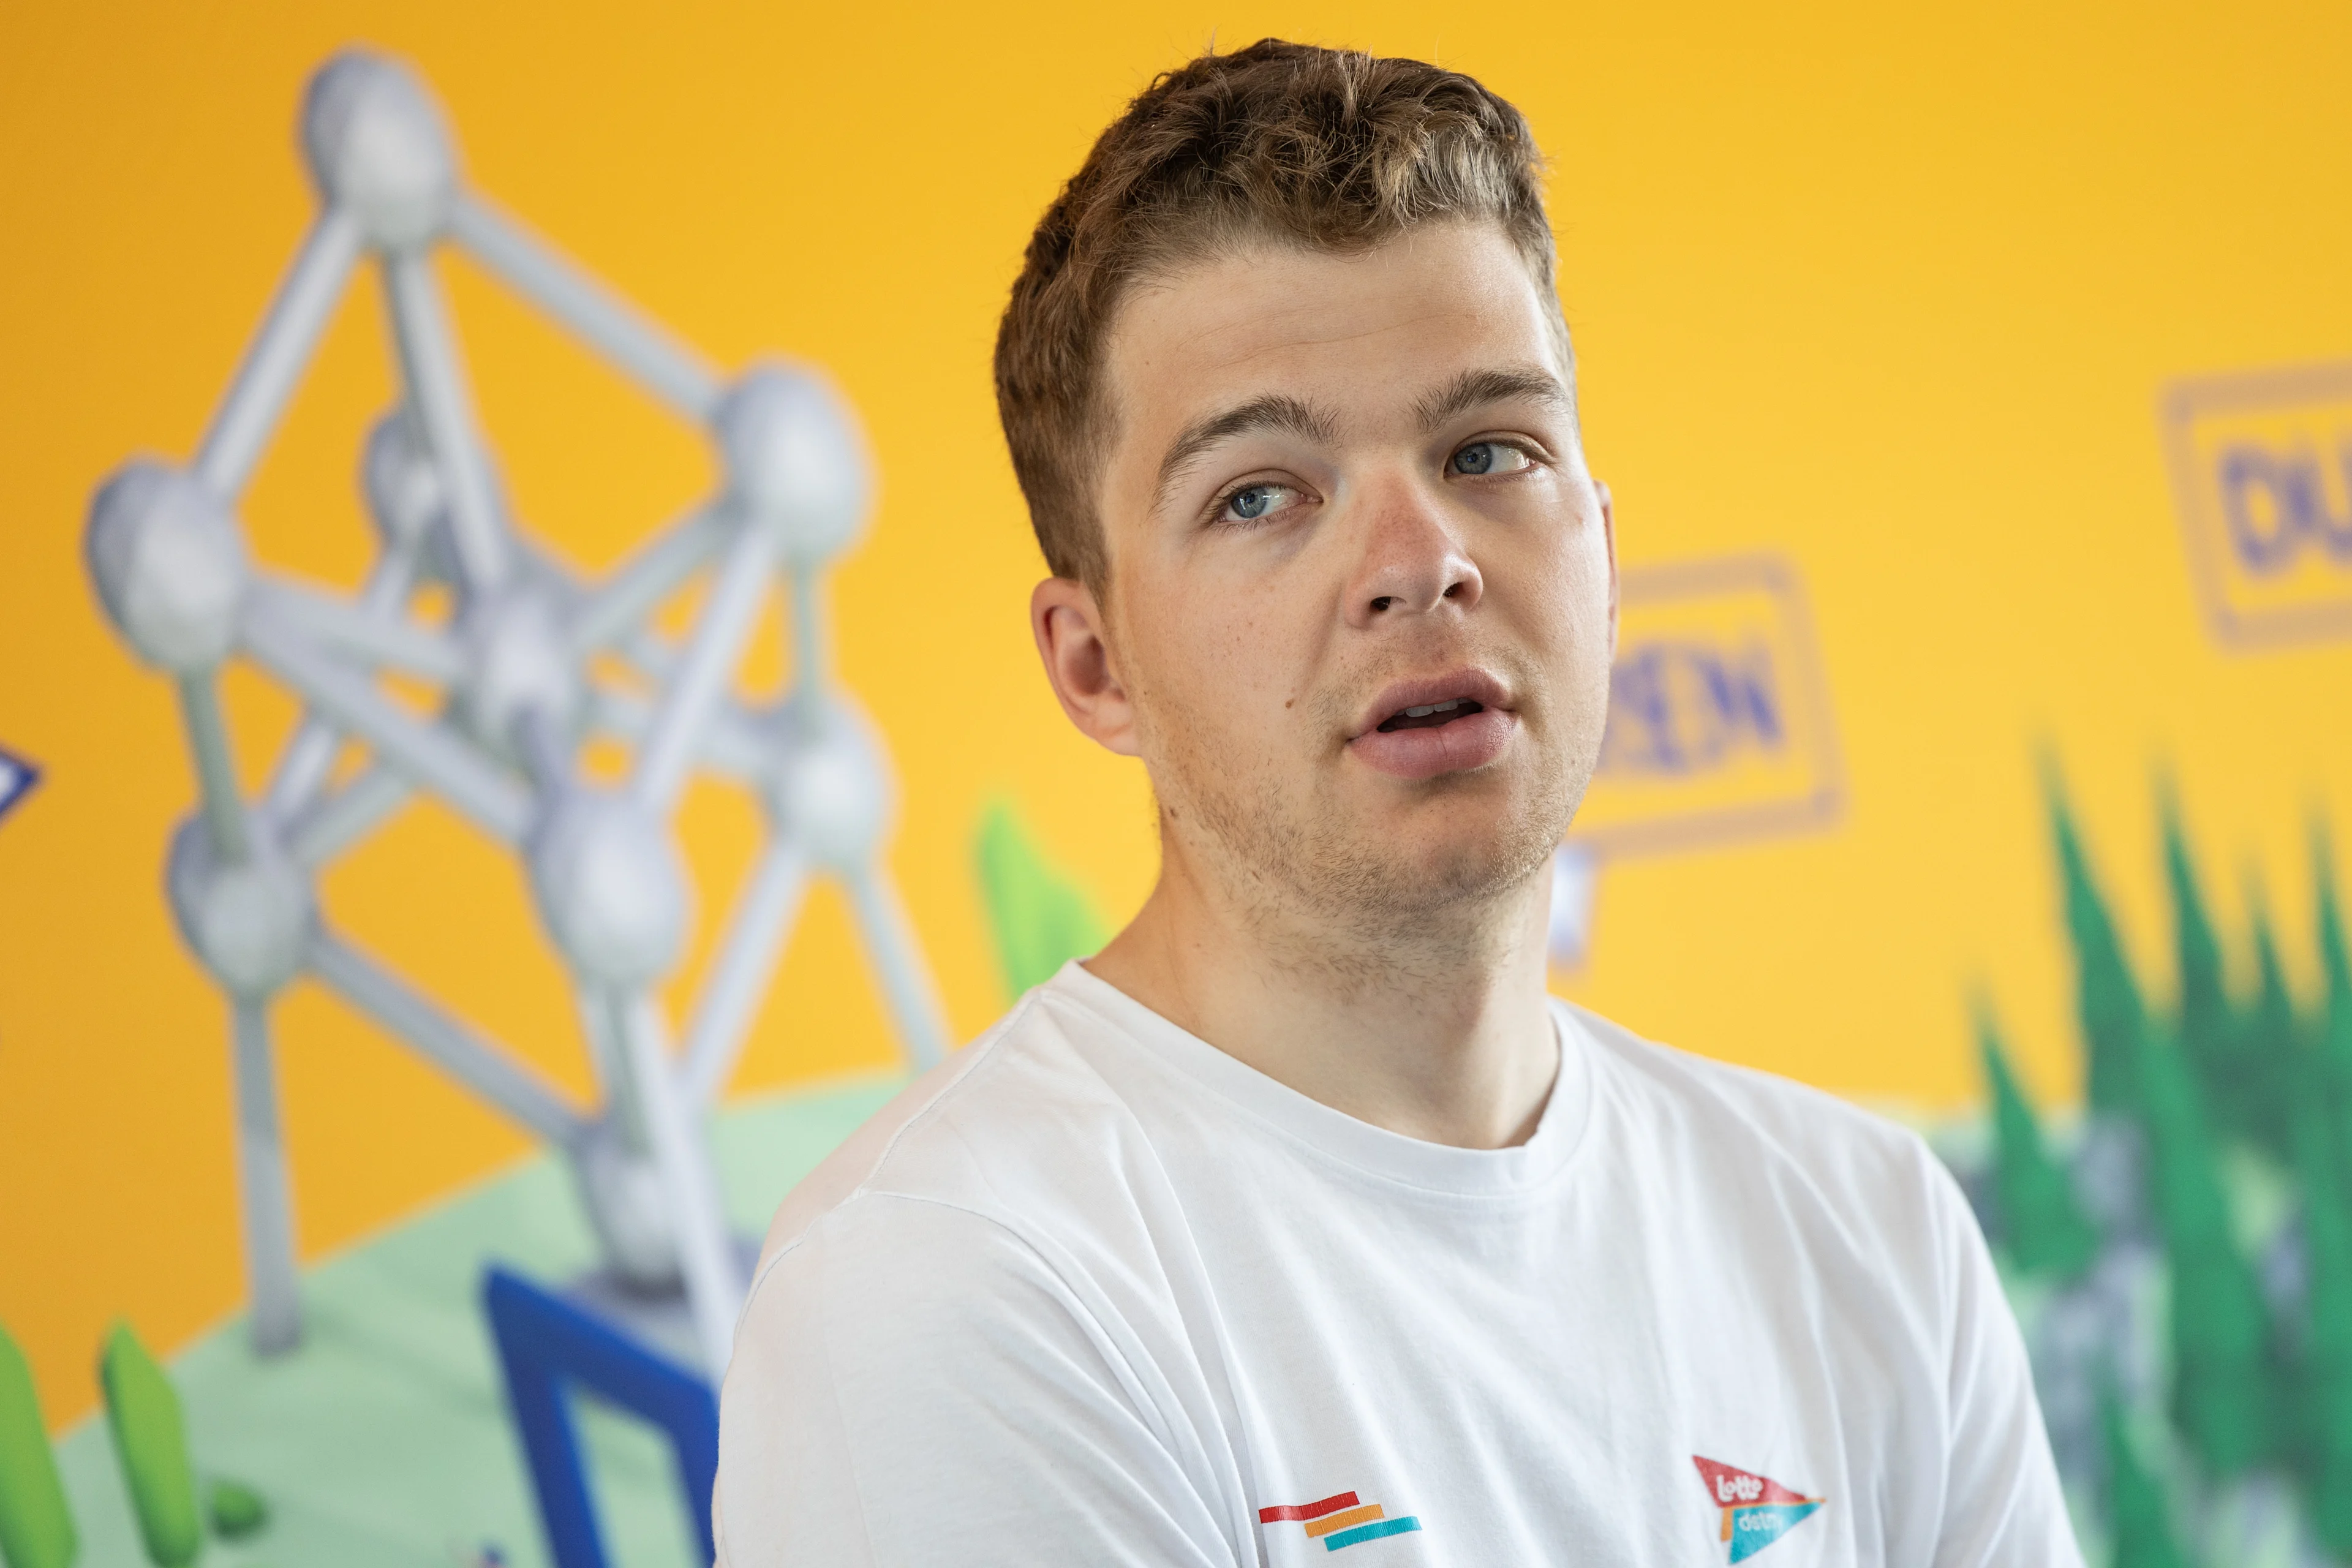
column 1757, row 1511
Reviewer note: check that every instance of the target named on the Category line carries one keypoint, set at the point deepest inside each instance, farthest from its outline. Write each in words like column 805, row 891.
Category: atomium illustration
column 532, row 666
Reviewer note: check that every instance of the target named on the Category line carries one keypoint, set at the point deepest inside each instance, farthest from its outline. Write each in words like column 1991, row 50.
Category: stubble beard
column 1322, row 889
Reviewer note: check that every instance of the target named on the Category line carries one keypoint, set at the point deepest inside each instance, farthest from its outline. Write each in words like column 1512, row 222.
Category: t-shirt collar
column 1335, row 1135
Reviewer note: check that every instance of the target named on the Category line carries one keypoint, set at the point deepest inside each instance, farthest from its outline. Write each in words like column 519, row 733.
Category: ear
column 1609, row 540
column 1072, row 638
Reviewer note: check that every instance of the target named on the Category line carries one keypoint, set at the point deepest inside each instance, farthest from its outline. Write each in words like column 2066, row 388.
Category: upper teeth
column 1448, row 704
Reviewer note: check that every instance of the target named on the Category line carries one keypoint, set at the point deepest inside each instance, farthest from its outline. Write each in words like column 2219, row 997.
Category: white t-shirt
column 1093, row 1293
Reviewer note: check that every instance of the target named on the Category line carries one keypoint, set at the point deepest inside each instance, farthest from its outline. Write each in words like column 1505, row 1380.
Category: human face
column 1361, row 592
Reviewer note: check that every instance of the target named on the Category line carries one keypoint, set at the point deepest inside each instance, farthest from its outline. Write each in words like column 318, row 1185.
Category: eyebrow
column 1274, row 411
column 1474, row 388
column 1282, row 413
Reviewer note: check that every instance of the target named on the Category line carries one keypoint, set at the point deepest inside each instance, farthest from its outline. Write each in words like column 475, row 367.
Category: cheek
column 1570, row 567
column 1571, row 632
column 1208, row 666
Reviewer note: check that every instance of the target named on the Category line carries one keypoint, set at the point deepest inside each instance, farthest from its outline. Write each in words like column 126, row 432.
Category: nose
column 1412, row 561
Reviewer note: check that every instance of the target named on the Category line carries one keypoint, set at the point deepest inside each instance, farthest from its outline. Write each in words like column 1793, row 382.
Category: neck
column 1439, row 1032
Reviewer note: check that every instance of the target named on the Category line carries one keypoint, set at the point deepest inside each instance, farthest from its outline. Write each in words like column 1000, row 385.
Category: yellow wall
column 1891, row 297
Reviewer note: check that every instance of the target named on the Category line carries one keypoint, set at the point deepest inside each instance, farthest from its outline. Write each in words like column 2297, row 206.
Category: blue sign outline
column 1809, row 678
column 2182, row 402
column 549, row 1347
column 28, row 773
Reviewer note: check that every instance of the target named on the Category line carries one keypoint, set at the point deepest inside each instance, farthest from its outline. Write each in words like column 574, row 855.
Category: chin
column 1446, row 856
column 1458, row 866
column 1401, row 857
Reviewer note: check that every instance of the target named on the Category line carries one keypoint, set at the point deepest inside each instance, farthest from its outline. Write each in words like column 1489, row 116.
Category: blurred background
column 1974, row 392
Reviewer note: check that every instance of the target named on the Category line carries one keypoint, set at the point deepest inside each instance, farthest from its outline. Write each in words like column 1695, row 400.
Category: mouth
column 1430, row 715
column 1439, row 724
column 1431, row 702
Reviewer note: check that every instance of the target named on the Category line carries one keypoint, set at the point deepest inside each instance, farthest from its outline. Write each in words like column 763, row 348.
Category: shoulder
column 938, row 1234
column 1001, row 1133
column 1803, row 1152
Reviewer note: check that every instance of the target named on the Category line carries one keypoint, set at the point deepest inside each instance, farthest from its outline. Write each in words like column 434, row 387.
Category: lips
column 1423, row 728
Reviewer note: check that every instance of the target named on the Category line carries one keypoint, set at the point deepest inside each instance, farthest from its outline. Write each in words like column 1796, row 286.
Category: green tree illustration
column 1039, row 917
column 2324, row 1377
column 2209, row 1030
column 37, row 1527
column 2269, row 1070
column 2107, row 999
column 2138, row 1516
column 2334, row 1031
column 2248, row 1081
column 151, row 1443
column 2222, row 1365
column 2042, row 1225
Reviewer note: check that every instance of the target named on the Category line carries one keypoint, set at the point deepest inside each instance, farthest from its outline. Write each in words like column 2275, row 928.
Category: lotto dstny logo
column 2262, row 466
column 1718, row 715
column 1757, row 1511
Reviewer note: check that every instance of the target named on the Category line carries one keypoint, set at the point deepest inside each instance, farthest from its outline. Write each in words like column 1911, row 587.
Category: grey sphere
column 378, row 149
column 169, row 565
column 520, row 660
column 248, row 921
column 406, row 497
column 627, row 1203
column 611, row 888
column 795, row 461
column 831, row 790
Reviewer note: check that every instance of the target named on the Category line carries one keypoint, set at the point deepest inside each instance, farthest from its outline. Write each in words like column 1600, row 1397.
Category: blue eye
column 1489, row 458
column 1255, row 503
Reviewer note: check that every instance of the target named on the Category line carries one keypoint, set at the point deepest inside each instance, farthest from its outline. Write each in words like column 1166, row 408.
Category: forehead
column 1368, row 332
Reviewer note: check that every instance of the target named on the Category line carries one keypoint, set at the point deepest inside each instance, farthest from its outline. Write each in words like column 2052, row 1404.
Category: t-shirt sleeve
column 913, row 1385
column 2002, row 1502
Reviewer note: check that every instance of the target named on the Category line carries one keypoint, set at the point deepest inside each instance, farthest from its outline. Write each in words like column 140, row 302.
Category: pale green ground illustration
column 384, row 1440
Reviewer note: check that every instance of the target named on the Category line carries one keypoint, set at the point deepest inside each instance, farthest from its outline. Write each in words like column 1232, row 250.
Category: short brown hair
column 1327, row 149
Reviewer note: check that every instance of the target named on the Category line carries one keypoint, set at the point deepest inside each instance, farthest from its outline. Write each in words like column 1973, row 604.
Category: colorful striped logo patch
column 1339, row 1521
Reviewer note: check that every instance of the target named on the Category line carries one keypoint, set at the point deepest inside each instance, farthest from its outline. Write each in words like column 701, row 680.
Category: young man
column 1300, row 1220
